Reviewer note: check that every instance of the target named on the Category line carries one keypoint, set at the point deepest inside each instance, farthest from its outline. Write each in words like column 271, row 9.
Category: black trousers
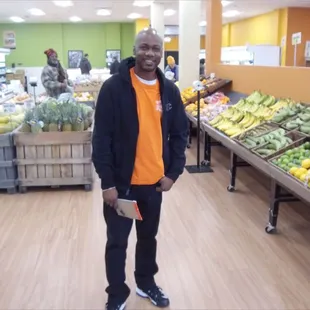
column 118, row 230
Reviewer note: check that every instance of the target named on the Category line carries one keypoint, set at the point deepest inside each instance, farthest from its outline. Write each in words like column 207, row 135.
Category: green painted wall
column 33, row 39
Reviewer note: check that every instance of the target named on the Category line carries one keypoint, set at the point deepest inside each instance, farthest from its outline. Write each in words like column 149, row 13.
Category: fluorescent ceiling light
column 142, row 4
column 169, row 12
column 16, row 19
column 75, row 19
column 134, row 16
column 103, row 12
column 231, row 13
column 225, row 3
column 36, row 12
column 203, row 23
column 63, row 3
column 167, row 39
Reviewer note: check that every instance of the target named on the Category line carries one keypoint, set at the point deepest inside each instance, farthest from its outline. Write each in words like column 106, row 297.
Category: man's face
column 54, row 59
column 148, row 52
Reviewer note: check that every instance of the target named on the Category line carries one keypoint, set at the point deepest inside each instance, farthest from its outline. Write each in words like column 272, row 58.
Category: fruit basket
column 277, row 144
column 255, row 133
column 294, row 161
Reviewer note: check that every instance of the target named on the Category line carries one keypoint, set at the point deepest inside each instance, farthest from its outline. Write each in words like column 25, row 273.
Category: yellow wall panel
column 282, row 36
column 141, row 24
column 262, row 29
column 173, row 45
column 226, row 35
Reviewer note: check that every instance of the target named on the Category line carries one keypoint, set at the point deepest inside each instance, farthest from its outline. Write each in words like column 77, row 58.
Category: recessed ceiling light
column 231, row 13
column 134, row 16
column 203, row 23
column 169, row 12
column 142, row 3
column 167, row 39
column 225, row 3
column 16, row 19
column 63, row 3
column 104, row 12
column 75, row 19
column 36, row 12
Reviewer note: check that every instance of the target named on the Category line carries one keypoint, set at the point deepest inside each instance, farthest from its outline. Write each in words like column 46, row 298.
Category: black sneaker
column 113, row 306
column 155, row 295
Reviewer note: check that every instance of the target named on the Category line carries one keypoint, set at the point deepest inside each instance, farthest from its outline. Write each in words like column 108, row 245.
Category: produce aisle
column 210, row 244
column 270, row 135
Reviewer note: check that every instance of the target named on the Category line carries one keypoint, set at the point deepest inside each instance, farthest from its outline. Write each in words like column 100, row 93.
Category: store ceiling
column 86, row 10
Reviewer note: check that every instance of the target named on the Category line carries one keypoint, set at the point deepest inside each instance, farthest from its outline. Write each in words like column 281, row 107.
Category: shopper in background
column 85, row 65
column 139, row 142
column 202, row 66
column 54, row 78
column 114, row 66
column 173, row 67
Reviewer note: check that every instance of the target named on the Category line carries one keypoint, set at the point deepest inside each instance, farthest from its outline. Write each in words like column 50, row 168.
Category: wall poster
column 9, row 39
column 74, row 59
column 110, row 55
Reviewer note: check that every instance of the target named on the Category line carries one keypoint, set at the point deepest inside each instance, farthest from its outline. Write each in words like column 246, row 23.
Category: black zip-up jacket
column 116, row 129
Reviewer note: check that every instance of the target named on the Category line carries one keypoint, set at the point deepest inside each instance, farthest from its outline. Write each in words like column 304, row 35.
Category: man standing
column 114, row 66
column 85, row 65
column 54, row 78
column 139, row 142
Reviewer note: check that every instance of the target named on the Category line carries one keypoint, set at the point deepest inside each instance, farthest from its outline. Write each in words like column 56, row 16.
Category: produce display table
column 92, row 89
column 279, row 180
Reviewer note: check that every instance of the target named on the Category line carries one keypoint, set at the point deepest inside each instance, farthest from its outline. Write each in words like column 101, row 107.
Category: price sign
column 9, row 108
column 29, row 104
column 296, row 38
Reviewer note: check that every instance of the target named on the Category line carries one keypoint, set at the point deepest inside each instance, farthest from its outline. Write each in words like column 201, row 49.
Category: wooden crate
column 54, row 159
column 296, row 136
column 8, row 174
column 241, row 138
column 280, row 154
column 93, row 90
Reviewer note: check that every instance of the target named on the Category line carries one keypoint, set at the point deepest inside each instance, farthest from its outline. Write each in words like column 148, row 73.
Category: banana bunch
column 279, row 105
column 237, row 117
column 249, row 120
column 234, row 131
column 264, row 112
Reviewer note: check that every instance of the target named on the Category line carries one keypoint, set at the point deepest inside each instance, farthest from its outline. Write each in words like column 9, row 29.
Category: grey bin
column 8, row 170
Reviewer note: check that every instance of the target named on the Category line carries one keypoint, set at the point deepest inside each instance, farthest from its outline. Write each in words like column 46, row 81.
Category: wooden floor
column 213, row 251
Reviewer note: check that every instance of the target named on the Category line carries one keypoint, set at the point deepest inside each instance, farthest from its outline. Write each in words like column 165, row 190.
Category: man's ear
column 134, row 51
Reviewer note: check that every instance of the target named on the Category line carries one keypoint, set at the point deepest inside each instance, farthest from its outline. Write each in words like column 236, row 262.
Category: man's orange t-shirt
column 149, row 165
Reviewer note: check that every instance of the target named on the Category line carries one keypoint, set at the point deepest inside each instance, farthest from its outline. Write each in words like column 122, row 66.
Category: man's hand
column 165, row 185
column 110, row 197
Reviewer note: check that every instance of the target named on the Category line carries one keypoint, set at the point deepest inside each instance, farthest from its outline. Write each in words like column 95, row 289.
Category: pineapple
column 36, row 127
column 29, row 116
column 66, row 115
column 54, row 117
column 77, row 118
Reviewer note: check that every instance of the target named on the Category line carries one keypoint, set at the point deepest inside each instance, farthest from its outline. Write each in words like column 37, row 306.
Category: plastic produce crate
column 8, row 173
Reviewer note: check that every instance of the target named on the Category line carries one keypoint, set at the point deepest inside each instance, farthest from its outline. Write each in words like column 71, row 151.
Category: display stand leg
column 276, row 196
column 198, row 168
column 207, row 150
column 234, row 163
column 233, row 172
column 34, row 95
column 190, row 134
